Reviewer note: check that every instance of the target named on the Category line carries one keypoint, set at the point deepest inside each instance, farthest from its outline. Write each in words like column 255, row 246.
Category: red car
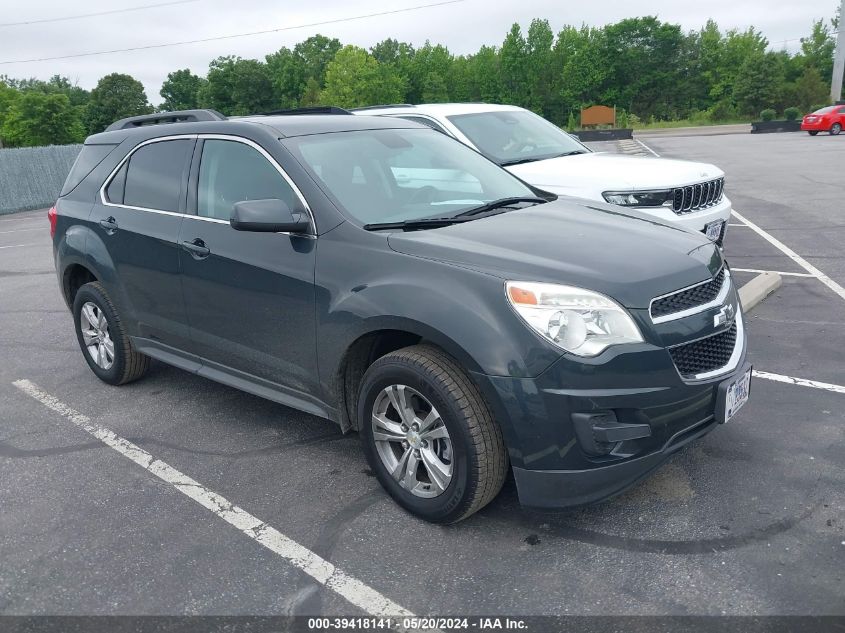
column 830, row 119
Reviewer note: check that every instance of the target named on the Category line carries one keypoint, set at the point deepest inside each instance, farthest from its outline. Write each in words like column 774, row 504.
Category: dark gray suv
column 379, row 274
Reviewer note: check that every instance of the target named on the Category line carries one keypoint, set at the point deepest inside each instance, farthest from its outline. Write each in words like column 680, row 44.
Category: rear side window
column 114, row 192
column 154, row 175
column 88, row 159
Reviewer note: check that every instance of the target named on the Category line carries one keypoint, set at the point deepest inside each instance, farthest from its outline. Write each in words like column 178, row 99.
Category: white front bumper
column 694, row 220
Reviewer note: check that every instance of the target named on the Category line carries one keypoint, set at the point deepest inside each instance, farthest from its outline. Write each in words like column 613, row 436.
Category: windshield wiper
column 521, row 161
column 500, row 203
column 572, row 153
column 422, row 223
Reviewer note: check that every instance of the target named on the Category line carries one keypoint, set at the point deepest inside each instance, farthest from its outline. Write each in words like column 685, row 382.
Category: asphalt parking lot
column 748, row 520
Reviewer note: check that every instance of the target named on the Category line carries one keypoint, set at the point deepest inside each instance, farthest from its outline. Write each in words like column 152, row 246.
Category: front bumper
column 695, row 220
column 638, row 385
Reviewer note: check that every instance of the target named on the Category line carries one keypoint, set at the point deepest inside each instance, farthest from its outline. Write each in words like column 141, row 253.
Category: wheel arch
column 377, row 340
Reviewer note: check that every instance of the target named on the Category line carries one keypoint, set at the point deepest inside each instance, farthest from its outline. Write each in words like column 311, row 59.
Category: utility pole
column 838, row 59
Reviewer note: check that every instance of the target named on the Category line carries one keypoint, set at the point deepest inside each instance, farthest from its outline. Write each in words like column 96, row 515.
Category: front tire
column 429, row 436
column 835, row 129
column 813, row 132
column 103, row 339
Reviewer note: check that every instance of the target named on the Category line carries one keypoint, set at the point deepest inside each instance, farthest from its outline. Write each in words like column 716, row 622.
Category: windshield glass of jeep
column 512, row 136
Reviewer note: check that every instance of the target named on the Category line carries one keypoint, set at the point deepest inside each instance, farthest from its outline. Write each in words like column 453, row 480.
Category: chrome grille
column 698, row 196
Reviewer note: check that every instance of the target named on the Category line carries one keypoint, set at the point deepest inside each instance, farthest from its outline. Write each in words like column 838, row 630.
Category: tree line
column 649, row 69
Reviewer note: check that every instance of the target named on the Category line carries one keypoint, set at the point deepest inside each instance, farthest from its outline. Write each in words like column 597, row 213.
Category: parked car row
column 446, row 295
column 684, row 193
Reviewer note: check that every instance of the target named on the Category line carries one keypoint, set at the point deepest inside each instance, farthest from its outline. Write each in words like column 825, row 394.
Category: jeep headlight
column 579, row 321
column 658, row 198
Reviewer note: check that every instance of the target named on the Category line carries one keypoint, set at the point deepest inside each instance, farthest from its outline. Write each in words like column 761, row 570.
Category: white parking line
column 779, row 272
column 647, row 148
column 803, row 382
column 21, row 230
column 20, row 245
column 321, row 570
column 22, row 218
column 815, row 272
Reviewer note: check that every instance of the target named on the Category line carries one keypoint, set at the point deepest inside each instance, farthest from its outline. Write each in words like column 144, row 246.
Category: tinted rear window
column 154, row 176
column 88, row 159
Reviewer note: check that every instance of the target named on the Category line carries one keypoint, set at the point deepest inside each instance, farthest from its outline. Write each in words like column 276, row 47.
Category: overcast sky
column 463, row 27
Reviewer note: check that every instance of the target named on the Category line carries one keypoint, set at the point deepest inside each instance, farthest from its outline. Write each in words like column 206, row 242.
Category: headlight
column 579, row 321
column 640, row 198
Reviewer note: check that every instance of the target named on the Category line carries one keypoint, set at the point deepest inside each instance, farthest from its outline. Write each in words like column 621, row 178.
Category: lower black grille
column 689, row 298
column 704, row 355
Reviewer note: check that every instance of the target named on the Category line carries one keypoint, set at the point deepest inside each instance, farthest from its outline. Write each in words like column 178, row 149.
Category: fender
column 426, row 305
column 82, row 246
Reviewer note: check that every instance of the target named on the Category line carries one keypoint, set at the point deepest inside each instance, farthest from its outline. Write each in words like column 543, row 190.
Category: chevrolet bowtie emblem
column 725, row 315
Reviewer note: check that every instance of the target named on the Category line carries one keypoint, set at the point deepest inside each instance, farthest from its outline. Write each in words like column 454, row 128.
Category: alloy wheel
column 412, row 441
column 95, row 334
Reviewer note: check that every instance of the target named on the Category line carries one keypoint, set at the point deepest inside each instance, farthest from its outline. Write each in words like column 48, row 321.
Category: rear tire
column 443, row 475
column 813, row 132
column 835, row 129
column 103, row 339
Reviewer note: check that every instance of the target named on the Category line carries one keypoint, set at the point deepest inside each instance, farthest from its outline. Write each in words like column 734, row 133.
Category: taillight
column 51, row 215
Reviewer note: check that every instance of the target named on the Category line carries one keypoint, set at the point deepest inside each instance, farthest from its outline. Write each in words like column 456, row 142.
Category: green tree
column 37, row 118
column 287, row 73
column 238, row 86
column 435, row 89
column 809, row 89
column 8, row 96
column 643, row 56
column 513, row 59
column 180, row 90
column 538, row 66
column 399, row 55
column 311, row 96
column 817, row 50
column 481, row 80
column 115, row 97
column 316, row 52
column 354, row 78
column 578, row 58
column 737, row 47
column 758, row 83
column 427, row 69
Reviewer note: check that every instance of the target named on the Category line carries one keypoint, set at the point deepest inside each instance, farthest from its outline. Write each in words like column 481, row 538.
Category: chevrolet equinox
column 377, row 273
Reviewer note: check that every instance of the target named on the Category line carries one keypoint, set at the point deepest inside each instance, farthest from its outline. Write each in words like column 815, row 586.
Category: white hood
column 588, row 175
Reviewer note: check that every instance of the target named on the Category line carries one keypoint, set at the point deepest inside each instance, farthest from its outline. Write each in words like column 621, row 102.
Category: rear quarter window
column 85, row 163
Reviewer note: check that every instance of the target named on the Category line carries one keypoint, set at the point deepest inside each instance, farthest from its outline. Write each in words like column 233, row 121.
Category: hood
column 596, row 247
column 612, row 172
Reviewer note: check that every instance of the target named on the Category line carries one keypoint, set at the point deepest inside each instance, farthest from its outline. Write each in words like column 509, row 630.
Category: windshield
column 825, row 110
column 398, row 175
column 511, row 136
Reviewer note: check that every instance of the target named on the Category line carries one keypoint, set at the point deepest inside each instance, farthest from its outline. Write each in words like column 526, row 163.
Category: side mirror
column 269, row 216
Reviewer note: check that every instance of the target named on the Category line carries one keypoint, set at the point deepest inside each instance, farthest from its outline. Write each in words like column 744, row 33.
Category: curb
column 753, row 293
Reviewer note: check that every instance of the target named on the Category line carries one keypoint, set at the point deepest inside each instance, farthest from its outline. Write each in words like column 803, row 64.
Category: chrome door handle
column 197, row 248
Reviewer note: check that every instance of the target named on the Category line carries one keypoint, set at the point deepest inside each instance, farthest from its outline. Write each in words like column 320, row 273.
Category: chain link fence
column 32, row 177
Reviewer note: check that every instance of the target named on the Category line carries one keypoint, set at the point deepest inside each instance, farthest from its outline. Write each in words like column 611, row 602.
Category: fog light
column 599, row 432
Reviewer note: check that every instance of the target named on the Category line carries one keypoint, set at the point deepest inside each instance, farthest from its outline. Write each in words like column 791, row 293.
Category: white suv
column 679, row 192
